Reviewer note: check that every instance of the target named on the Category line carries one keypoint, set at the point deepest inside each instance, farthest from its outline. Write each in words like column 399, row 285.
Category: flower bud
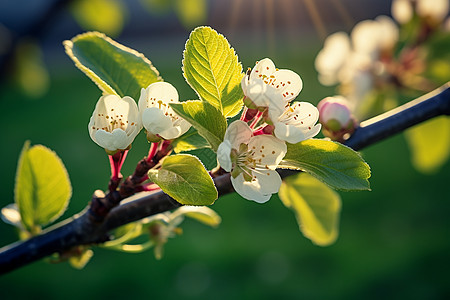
column 336, row 117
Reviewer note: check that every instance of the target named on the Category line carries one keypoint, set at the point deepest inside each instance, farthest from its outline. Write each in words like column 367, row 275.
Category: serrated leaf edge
column 25, row 149
column 106, row 88
column 184, row 72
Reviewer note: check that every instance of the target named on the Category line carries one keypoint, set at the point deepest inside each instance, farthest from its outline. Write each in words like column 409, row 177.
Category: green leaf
column 202, row 214
column 184, row 178
column 115, row 69
column 212, row 69
column 331, row 162
column 125, row 233
column 191, row 140
column 430, row 144
column 207, row 119
column 42, row 189
column 315, row 205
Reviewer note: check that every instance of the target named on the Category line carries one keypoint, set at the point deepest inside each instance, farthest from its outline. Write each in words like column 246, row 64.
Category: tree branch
column 83, row 230
column 378, row 128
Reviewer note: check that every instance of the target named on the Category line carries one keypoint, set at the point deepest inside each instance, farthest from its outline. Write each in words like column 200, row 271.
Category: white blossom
column 266, row 84
column 332, row 57
column 402, row 11
column 115, row 122
column 370, row 37
column 436, row 10
column 296, row 122
column 252, row 161
column 158, row 118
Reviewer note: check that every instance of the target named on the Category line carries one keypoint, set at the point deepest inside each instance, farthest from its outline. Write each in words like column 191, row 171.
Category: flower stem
column 116, row 161
column 256, row 119
column 244, row 113
column 152, row 151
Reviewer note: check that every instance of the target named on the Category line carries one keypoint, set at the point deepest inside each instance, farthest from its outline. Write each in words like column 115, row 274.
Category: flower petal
column 237, row 133
column 111, row 113
column 178, row 128
column 171, row 133
column 332, row 57
column 263, row 69
column 436, row 10
column 120, row 139
column 402, row 11
column 287, row 83
column 155, row 121
column 132, row 112
column 296, row 123
column 293, row 134
column 10, row 214
column 260, row 189
column 259, row 92
column 116, row 140
column 388, row 32
column 223, row 155
column 268, row 150
column 156, row 94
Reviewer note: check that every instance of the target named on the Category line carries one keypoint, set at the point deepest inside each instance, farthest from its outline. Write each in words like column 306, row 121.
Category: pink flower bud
column 334, row 113
column 336, row 117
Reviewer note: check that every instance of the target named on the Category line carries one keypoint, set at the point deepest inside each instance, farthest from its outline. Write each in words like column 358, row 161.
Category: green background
column 394, row 241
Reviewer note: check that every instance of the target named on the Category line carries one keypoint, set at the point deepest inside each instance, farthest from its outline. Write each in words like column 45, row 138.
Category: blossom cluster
column 116, row 121
column 252, row 147
column 352, row 61
column 252, row 152
column 375, row 60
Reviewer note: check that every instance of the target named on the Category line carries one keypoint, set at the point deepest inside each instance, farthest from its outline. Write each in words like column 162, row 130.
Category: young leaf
column 315, row 205
column 80, row 261
column 331, row 162
column 212, row 69
column 115, row 69
column 430, row 144
column 202, row 214
column 207, row 119
column 184, row 178
column 42, row 189
column 191, row 140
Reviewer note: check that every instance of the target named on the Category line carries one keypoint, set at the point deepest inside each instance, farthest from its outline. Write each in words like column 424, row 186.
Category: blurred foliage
column 191, row 13
column 30, row 73
column 108, row 16
column 316, row 206
column 430, row 143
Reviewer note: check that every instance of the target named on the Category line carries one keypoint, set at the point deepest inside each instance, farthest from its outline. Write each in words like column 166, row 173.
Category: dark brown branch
column 84, row 230
column 431, row 105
